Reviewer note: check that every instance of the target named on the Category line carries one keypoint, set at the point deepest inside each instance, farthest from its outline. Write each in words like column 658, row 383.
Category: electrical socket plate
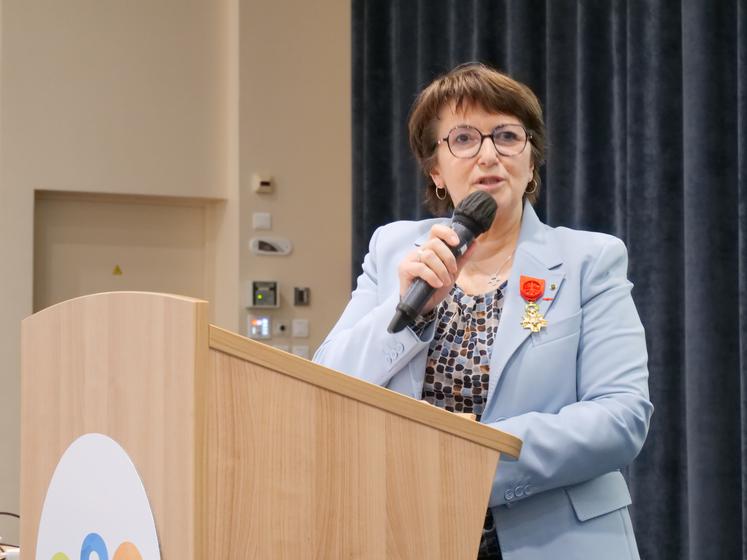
column 300, row 328
column 261, row 220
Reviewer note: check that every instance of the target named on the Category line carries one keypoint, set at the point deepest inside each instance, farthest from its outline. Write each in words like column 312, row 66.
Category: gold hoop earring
column 439, row 197
column 533, row 183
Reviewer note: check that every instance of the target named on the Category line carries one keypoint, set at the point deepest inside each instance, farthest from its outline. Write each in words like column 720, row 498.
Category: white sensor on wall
column 270, row 246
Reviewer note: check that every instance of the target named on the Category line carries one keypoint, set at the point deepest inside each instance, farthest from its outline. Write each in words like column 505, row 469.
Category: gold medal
column 533, row 319
column 531, row 290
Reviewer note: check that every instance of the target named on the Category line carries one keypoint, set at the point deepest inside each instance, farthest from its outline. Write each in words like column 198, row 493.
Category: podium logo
column 94, row 544
column 96, row 507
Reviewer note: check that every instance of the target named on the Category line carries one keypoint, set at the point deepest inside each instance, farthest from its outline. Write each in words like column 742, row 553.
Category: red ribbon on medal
column 531, row 289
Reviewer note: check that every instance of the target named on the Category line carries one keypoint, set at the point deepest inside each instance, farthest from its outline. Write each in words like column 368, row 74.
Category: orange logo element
column 127, row 551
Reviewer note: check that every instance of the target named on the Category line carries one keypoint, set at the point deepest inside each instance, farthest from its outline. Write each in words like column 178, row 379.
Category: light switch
column 262, row 220
column 300, row 328
column 300, row 350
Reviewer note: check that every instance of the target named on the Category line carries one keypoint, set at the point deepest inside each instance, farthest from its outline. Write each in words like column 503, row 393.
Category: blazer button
column 519, row 491
column 509, row 495
column 528, row 490
column 400, row 347
column 388, row 360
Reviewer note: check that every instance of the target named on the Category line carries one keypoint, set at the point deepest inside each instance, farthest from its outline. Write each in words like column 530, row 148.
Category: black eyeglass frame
column 490, row 135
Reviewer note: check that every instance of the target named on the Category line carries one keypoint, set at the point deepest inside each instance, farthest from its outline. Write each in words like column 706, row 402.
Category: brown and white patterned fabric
column 458, row 367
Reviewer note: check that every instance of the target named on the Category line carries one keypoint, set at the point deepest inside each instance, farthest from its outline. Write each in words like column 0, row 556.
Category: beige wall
column 177, row 98
column 295, row 124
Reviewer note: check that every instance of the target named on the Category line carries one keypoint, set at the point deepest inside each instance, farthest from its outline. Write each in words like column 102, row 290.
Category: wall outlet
column 262, row 220
column 301, row 350
column 280, row 328
column 300, row 328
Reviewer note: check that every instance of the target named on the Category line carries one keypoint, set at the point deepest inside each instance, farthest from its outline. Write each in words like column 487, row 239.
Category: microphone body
column 420, row 291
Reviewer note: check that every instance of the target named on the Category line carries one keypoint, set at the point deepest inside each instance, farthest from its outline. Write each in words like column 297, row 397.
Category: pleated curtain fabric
column 646, row 110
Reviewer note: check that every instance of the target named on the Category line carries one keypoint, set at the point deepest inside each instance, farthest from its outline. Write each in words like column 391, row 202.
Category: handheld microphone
column 472, row 217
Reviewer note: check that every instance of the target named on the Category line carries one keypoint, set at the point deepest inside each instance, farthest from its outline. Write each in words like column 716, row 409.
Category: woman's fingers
column 420, row 268
column 432, row 257
column 424, row 262
column 441, row 240
column 445, row 233
column 443, row 253
column 434, row 263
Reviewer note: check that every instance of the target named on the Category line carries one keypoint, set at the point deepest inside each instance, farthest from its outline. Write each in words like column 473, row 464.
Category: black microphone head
column 476, row 211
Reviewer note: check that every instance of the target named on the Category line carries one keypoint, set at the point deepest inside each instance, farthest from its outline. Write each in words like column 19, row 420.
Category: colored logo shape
column 96, row 507
column 93, row 543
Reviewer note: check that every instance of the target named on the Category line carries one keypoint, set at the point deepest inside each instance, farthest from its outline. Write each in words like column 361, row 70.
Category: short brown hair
column 473, row 84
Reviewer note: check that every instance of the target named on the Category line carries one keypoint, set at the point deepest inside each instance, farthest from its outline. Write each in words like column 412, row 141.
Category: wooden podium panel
column 128, row 365
column 246, row 451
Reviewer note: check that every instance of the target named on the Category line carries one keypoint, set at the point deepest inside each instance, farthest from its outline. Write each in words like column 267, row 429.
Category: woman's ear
column 436, row 177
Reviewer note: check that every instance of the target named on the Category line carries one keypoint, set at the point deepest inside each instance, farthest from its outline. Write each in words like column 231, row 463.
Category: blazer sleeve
column 359, row 344
column 605, row 429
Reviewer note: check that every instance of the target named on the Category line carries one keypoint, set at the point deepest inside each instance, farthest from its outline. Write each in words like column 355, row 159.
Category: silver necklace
column 495, row 279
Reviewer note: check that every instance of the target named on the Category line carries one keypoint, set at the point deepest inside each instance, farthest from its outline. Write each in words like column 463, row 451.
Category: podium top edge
column 362, row 391
column 144, row 295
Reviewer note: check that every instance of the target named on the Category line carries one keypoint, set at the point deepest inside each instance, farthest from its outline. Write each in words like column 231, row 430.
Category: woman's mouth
column 489, row 181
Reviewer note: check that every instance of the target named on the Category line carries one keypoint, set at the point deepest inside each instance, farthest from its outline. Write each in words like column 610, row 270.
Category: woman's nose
column 488, row 154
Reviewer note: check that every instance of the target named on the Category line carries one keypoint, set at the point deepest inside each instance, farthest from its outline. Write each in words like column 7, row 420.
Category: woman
column 533, row 329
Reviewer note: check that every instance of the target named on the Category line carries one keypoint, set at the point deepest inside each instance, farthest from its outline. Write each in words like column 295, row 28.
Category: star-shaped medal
column 533, row 319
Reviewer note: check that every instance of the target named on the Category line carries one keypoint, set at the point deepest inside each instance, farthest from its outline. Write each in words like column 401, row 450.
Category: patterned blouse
column 457, row 370
column 458, row 367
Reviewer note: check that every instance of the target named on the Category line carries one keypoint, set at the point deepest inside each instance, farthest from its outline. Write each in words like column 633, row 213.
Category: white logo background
column 96, row 489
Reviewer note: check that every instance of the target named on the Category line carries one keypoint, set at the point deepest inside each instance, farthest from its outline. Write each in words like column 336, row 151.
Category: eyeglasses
column 466, row 141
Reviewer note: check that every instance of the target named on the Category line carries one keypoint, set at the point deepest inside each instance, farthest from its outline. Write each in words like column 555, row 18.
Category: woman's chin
column 490, row 188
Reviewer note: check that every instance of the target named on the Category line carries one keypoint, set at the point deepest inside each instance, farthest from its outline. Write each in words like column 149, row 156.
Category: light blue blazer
column 576, row 393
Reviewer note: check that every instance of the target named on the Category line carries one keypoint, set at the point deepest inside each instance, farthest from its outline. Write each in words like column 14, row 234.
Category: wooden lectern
column 246, row 451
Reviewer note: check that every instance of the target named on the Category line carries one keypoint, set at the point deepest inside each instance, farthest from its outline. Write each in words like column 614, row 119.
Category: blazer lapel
column 535, row 256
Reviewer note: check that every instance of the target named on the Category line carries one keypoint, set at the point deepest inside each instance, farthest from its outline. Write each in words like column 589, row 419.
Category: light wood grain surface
column 306, row 472
column 125, row 365
column 379, row 397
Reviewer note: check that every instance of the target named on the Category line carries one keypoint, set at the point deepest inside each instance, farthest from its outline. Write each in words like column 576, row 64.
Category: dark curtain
column 646, row 111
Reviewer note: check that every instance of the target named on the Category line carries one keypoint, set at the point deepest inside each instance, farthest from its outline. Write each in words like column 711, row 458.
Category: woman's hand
column 434, row 262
